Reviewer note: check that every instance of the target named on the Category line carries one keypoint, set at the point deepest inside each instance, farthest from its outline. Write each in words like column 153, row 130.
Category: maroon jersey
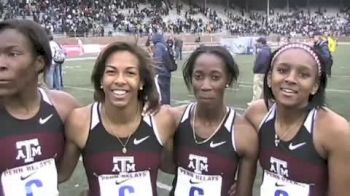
column 32, row 140
column 296, row 160
column 215, row 157
column 103, row 154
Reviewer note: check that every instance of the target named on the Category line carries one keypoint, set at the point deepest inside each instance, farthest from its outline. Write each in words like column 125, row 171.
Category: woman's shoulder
column 79, row 118
column 256, row 112
column 330, row 121
column 332, row 133
column 63, row 102
column 84, row 112
column 165, row 122
column 167, row 111
column 246, row 137
column 61, row 97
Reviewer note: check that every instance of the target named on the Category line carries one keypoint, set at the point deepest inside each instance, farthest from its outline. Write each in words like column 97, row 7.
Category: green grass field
column 77, row 82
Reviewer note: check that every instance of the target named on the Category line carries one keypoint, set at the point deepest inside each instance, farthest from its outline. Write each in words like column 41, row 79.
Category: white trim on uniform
column 308, row 124
column 94, row 115
column 230, row 126
column 269, row 116
column 186, row 114
column 158, row 88
column 45, row 96
column 155, row 129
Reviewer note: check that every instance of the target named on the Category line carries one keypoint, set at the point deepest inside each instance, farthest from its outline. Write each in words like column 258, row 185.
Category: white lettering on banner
column 28, row 149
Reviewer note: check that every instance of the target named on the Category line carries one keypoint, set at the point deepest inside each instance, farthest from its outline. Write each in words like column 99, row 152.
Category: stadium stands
column 82, row 18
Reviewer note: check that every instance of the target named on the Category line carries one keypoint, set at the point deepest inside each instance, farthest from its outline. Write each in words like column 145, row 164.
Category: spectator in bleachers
column 86, row 18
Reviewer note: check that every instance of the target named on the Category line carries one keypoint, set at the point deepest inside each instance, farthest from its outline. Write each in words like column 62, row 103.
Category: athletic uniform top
column 109, row 170
column 208, row 168
column 28, row 143
column 293, row 167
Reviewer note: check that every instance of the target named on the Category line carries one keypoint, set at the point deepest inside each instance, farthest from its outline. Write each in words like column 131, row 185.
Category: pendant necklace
column 124, row 149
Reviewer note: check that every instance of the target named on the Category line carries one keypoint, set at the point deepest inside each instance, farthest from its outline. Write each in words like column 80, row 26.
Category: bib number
column 126, row 184
column 192, row 184
column 275, row 185
column 36, row 179
column 281, row 193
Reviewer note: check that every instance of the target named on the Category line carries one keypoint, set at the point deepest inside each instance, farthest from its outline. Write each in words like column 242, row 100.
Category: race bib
column 192, row 184
column 134, row 183
column 275, row 185
column 36, row 179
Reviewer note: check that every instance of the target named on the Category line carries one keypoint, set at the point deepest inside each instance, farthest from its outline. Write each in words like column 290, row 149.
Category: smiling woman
column 304, row 146
column 121, row 147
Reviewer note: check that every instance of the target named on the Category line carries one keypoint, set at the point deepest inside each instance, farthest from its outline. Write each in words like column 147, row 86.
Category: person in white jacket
column 54, row 78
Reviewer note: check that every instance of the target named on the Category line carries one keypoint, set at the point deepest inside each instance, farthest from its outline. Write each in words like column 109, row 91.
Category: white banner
column 239, row 45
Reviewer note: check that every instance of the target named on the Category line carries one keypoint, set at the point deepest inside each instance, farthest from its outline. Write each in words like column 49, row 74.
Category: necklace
column 278, row 127
column 124, row 149
column 216, row 130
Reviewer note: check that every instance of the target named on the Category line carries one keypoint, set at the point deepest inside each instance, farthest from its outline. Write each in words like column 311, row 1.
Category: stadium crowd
column 295, row 22
column 107, row 17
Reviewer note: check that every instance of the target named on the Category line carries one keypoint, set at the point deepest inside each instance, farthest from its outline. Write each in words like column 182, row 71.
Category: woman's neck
column 210, row 114
column 24, row 104
column 290, row 116
column 124, row 115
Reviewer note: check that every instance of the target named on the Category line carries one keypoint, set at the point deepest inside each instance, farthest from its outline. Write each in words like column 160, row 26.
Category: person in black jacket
column 321, row 46
column 163, row 73
column 260, row 65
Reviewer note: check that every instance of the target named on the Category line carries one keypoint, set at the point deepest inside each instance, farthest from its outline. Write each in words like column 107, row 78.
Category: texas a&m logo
column 28, row 149
column 123, row 164
column 279, row 166
column 198, row 163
